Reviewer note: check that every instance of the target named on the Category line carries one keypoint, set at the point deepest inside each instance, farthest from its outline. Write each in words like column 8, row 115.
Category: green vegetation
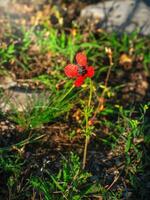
column 104, row 123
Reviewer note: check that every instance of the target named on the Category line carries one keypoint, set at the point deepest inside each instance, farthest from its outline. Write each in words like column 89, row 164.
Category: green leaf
column 57, row 184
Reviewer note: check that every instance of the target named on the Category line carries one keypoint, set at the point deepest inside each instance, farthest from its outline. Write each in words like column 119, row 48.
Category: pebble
column 120, row 16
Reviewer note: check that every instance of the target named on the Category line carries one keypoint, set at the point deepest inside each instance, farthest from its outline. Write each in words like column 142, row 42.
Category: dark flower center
column 82, row 70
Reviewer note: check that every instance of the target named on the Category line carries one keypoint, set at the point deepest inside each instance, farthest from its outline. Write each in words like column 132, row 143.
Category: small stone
column 4, row 127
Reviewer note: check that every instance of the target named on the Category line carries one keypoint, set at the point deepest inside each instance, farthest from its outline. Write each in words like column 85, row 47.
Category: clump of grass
column 16, row 51
column 42, row 108
column 58, row 42
column 12, row 166
column 71, row 182
column 62, row 43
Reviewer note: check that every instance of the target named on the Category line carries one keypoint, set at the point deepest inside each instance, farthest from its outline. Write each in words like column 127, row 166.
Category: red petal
column 79, row 81
column 71, row 70
column 81, row 59
column 90, row 71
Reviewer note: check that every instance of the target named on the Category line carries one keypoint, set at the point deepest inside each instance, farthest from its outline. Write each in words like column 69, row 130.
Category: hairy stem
column 85, row 151
column 87, row 136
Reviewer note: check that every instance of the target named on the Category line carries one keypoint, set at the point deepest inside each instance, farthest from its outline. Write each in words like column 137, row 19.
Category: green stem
column 91, row 90
column 87, row 136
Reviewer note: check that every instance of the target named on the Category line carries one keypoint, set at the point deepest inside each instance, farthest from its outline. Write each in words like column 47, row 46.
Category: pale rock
column 120, row 16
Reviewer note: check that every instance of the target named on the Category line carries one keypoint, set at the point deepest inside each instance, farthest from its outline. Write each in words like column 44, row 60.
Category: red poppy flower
column 80, row 71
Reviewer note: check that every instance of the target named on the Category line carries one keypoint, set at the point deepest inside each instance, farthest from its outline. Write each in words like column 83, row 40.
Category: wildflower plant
column 81, row 71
